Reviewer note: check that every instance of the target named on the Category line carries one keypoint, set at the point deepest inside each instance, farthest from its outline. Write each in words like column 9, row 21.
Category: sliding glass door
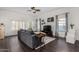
column 61, row 25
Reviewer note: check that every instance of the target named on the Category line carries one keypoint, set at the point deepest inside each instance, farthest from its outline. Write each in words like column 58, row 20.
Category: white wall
column 53, row 13
column 75, row 20
column 6, row 17
column 73, row 16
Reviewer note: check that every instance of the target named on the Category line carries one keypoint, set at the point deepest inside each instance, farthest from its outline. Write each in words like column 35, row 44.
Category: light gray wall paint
column 73, row 16
column 53, row 13
column 7, row 16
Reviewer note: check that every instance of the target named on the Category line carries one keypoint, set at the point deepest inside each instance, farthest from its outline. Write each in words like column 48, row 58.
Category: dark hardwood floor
column 58, row 45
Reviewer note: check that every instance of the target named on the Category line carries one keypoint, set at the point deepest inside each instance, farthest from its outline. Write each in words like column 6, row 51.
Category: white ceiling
column 25, row 9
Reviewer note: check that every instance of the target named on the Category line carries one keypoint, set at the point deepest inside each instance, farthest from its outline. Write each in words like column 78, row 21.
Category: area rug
column 46, row 40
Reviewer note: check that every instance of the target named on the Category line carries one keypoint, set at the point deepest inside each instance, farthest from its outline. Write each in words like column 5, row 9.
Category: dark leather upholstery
column 28, row 38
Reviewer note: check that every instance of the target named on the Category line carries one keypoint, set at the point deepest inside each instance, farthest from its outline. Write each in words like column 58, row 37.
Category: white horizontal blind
column 16, row 25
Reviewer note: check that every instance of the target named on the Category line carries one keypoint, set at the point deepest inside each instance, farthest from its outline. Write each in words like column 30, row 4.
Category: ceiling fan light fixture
column 34, row 10
column 37, row 9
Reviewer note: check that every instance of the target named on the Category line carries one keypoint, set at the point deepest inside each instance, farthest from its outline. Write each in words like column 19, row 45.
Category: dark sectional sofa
column 29, row 38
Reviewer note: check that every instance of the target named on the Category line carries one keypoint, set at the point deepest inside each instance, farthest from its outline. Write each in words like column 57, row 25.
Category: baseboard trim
column 10, row 36
column 60, row 37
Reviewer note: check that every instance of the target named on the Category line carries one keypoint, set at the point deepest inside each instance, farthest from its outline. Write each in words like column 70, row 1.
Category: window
column 16, row 25
column 38, row 25
column 62, row 23
column 13, row 25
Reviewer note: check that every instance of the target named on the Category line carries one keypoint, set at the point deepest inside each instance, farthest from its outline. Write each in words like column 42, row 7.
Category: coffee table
column 41, row 36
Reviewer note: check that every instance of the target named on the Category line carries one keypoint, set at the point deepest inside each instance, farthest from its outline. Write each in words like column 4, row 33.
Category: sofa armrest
column 35, row 41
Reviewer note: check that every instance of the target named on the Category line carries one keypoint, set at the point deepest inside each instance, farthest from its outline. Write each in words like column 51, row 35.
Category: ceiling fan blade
column 34, row 12
column 37, row 9
column 33, row 8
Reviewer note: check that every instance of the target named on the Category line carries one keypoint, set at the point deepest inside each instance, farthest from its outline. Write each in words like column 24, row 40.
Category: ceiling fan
column 34, row 9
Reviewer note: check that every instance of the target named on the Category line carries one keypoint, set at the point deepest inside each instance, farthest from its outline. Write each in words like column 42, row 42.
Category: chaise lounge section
column 29, row 38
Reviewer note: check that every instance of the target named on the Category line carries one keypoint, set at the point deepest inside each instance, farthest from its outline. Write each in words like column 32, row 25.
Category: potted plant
column 71, row 25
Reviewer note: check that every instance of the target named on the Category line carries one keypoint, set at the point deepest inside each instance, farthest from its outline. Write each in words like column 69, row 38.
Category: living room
column 42, row 21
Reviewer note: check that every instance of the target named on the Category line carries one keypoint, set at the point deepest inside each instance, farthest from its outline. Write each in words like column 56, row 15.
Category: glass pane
column 62, row 28
column 16, row 25
column 38, row 25
column 62, row 19
column 13, row 25
column 62, row 25
column 23, row 25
